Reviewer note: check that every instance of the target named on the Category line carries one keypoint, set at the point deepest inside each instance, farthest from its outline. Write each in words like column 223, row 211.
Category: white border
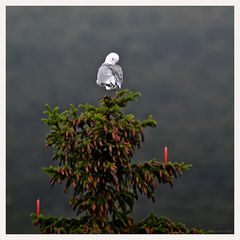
column 120, row 3
column 4, row 3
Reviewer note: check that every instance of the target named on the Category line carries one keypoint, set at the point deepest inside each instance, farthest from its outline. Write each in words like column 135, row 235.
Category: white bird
column 109, row 74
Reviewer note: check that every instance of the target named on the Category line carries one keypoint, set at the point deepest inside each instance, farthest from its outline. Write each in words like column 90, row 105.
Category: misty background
column 179, row 58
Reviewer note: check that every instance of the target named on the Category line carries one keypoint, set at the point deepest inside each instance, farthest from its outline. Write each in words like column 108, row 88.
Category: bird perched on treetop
column 110, row 75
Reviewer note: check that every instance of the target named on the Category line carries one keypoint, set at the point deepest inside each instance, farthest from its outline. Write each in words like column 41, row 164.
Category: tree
column 94, row 151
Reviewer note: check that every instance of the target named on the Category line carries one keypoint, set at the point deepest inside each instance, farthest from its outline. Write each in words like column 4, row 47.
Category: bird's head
column 112, row 58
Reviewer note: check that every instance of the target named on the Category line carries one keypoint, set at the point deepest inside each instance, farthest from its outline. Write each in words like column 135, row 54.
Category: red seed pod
column 65, row 190
column 66, row 134
column 113, row 136
column 87, row 131
column 133, row 132
column 149, row 230
column 145, row 177
column 74, row 184
column 94, row 206
column 112, row 167
column 78, row 177
column 110, row 148
column 137, row 180
column 51, row 181
column 106, row 206
column 88, row 149
column 89, row 166
column 105, row 129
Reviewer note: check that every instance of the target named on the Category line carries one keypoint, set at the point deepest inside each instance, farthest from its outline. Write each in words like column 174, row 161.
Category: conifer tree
column 93, row 149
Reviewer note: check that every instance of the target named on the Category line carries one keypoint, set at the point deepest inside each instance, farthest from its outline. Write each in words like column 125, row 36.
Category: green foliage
column 93, row 149
column 85, row 225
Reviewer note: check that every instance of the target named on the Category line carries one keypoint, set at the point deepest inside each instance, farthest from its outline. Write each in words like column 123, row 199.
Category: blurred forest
column 181, row 59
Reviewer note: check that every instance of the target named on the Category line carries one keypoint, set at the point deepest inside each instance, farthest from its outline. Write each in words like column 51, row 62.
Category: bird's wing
column 104, row 75
column 117, row 73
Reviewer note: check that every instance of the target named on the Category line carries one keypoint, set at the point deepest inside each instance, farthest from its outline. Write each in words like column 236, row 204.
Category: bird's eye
column 112, row 58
